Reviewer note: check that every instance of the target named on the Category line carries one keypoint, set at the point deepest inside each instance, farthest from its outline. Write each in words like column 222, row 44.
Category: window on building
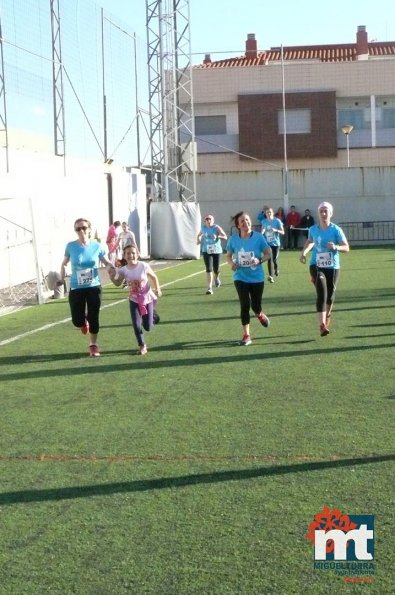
column 298, row 121
column 388, row 117
column 205, row 125
column 354, row 117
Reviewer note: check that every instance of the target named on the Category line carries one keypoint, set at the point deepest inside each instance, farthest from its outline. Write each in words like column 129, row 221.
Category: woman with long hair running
column 246, row 250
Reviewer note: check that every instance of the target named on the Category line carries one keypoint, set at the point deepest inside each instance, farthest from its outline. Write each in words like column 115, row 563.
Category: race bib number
column 270, row 235
column 245, row 259
column 85, row 277
column 325, row 260
column 211, row 249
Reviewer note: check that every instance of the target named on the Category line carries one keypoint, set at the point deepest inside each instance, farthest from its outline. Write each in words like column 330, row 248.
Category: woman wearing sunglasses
column 84, row 255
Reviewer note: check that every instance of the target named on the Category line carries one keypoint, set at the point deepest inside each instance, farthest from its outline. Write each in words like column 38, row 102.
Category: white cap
column 326, row 205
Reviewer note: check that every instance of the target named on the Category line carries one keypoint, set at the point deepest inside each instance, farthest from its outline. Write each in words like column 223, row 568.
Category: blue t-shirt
column 243, row 250
column 321, row 256
column 261, row 217
column 84, row 262
column 210, row 241
column 271, row 227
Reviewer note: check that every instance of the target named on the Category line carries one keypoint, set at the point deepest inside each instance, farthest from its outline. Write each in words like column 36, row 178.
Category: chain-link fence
column 70, row 80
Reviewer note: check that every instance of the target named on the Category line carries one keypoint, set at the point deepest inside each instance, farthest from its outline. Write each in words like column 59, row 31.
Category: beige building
column 337, row 132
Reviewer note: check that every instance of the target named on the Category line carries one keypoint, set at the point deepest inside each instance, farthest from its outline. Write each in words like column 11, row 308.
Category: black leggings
column 85, row 305
column 250, row 296
column 325, row 281
column 212, row 262
column 273, row 260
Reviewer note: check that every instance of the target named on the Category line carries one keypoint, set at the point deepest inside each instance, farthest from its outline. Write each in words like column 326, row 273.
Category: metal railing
column 361, row 232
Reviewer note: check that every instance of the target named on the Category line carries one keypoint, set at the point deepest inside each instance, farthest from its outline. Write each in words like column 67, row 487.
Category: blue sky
column 222, row 25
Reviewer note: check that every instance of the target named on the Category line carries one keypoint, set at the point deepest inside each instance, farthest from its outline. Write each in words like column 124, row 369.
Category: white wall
column 358, row 194
column 60, row 192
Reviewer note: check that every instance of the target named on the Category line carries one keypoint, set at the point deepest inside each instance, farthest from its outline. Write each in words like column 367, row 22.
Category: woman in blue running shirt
column 245, row 252
column 272, row 228
column 210, row 237
column 84, row 256
column 326, row 240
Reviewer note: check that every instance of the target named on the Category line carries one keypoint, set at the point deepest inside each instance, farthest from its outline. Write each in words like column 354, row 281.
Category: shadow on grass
column 145, row 485
column 98, row 365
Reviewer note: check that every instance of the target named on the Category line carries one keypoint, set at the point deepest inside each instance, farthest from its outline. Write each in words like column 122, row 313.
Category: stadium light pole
column 286, row 200
column 347, row 129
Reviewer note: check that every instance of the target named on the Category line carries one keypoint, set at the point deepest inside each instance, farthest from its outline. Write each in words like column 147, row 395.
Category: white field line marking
column 53, row 324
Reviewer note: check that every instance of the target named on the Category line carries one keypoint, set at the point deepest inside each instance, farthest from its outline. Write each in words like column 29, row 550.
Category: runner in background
column 272, row 229
column 326, row 240
column 210, row 237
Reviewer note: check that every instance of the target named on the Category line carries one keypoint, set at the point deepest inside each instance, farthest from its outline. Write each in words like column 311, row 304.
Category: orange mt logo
column 338, row 536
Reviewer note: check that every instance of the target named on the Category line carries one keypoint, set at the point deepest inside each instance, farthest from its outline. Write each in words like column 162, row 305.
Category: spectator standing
column 326, row 240
column 293, row 224
column 126, row 237
column 306, row 222
column 112, row 240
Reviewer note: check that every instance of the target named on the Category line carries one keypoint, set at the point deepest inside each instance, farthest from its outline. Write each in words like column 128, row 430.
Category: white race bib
column 325, row 260
column 244, row 259
column 270, row 236
column 85, row 277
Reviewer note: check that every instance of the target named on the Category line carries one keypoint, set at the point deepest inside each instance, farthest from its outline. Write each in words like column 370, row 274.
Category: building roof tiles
column 322, row 53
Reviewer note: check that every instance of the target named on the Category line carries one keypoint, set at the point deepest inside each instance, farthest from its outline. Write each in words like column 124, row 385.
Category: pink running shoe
column 85, row 328
column 263, row 319
column 94, row 351
column 246, row 340
column 324, row 330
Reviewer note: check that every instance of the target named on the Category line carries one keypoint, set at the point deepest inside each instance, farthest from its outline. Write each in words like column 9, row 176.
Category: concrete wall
column 49, row 194
column 357, row 194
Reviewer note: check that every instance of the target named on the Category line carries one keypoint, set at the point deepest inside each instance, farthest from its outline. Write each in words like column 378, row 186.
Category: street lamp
column 347, row 129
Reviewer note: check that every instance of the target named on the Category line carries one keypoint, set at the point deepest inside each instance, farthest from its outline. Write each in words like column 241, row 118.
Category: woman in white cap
column 326, row 240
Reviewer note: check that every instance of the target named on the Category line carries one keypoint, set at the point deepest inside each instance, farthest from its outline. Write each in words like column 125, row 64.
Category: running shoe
column 270, row 279
column 85, row 328
column 277, row 272
column 94, row 351
column 156, row 317
column 143, row 349
column 217, row 283
column 264, row 320
column 209, row 291
column 324, row 330
column 246, row 340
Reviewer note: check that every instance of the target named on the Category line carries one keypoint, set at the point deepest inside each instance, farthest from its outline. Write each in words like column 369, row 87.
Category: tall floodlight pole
column 285, row 182
column 172, row 132
column 57, row 82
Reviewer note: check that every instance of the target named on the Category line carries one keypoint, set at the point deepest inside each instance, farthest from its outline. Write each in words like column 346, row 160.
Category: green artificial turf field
column 198, row 468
